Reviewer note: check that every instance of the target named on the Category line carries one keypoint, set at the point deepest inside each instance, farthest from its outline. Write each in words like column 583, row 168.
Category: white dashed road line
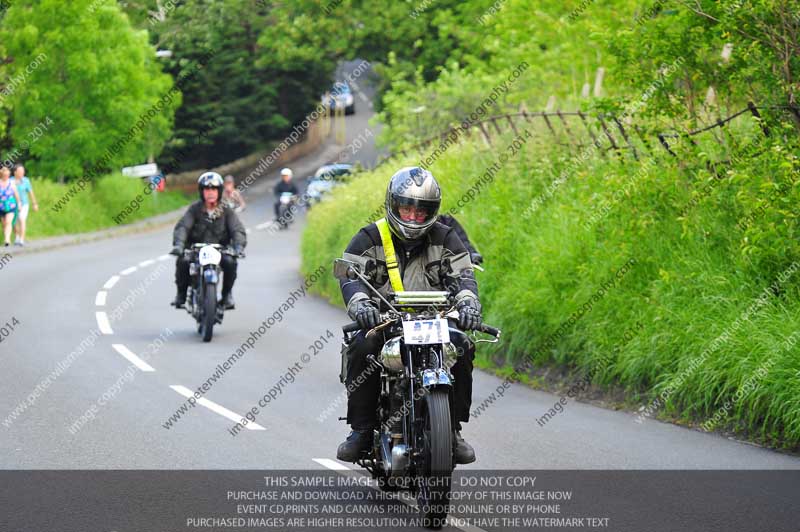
column 146, row 263
column 111, row 282
column 100, row 299
column 128, row 271
column 214, row 407
column 103, row 323
column 164, row 257
column 132, row 358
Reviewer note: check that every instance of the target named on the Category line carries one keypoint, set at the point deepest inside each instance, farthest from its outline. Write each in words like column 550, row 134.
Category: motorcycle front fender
column 435, row 378
column 210, row 276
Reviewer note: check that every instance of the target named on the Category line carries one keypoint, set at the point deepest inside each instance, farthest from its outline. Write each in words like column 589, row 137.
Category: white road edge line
column 264, row 225
column 214, row 407
column 146, row 263
column 132, row 358
column 100, row 299
column 164, row 257
column 102, row 322
column 128, row 271
column 402, row 496
column 111, row 282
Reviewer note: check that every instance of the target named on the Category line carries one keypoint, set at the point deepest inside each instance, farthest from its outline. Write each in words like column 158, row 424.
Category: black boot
column 180, row 299
column 227, row 301
column 357, row 442
column 462, row 451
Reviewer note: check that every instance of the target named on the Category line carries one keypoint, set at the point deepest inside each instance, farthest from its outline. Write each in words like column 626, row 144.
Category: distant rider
column 284, row 185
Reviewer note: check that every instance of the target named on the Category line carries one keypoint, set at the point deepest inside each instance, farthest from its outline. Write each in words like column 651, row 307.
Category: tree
column 82, row 69
column 232, row 105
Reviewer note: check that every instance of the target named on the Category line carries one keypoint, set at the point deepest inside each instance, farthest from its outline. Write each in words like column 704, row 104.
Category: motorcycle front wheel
column 433, row 495
column 209, row 312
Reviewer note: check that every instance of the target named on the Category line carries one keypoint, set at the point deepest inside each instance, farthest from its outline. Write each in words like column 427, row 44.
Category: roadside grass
column 95, row 207
column 696, row 272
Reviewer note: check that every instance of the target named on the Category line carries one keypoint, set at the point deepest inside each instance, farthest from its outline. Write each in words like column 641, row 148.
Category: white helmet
column 287, row 171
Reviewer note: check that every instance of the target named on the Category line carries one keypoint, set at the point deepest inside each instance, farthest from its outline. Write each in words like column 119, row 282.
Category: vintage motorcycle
column 287, row 209
column 201, row 297
column 413, row 446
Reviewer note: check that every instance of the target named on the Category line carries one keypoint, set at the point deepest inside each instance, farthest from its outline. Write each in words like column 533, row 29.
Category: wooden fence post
column 496, row 127
column 566, row 126
column 625, row 136
column 511, row 123
column 664, row 143
column 754, row 111
column 486, row 136
column 524, row 111
column 591, row 133
column 609, row 135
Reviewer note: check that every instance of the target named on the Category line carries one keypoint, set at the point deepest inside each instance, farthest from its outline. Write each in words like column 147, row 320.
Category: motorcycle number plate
column 420, row 332
column 209, row 255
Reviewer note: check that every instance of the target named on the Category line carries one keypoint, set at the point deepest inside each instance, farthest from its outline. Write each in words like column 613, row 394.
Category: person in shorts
column 24, row 188
column 9, row 199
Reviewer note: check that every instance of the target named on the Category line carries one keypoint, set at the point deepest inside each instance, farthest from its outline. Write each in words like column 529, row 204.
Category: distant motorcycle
column 201, row 297
column 413, row 446
column 286, row 213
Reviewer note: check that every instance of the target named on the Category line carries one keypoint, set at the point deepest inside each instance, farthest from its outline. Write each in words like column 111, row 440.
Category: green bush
column 668, row 327
column 96, row 206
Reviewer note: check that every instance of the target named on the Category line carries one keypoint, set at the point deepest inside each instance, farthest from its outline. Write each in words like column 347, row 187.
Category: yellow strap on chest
column 392, row 265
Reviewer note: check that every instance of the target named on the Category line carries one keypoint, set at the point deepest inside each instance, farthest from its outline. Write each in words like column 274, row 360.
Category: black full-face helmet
column 210, row 180
column 415, row 187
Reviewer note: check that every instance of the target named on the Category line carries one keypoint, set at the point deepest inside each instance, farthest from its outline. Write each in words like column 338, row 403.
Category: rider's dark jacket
column 283, row 186
column 421, row 265
column 220, row 227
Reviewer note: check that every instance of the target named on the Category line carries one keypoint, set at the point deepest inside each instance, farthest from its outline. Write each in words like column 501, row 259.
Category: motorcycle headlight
column 390, row 355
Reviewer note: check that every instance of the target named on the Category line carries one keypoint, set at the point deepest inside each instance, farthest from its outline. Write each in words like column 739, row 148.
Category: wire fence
column 606, row 132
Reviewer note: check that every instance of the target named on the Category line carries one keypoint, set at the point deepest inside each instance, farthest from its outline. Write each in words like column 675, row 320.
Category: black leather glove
column 367, row 314
column 476, row 258
column 469, row 315
column 176, row 250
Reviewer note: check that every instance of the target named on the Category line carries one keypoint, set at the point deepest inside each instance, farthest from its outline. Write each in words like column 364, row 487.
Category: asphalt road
column 54, row 297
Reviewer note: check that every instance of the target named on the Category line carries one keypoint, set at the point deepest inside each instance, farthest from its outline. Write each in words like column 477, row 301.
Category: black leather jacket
column 220, row 227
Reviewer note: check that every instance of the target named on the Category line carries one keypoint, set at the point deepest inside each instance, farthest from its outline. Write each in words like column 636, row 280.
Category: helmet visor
column 210, row 181
column 414, row 212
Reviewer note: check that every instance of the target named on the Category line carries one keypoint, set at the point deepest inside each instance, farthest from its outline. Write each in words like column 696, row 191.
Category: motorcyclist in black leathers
column 423, row 247
column 208, row 221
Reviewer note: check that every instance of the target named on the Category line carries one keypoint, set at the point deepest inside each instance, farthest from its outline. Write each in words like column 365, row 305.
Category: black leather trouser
column 228, row 265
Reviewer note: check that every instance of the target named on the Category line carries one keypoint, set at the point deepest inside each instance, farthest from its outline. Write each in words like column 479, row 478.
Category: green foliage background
column 708, row 237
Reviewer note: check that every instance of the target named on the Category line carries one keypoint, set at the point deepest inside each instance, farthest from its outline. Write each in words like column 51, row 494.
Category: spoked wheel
column 209, row 317
column 436, row 445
